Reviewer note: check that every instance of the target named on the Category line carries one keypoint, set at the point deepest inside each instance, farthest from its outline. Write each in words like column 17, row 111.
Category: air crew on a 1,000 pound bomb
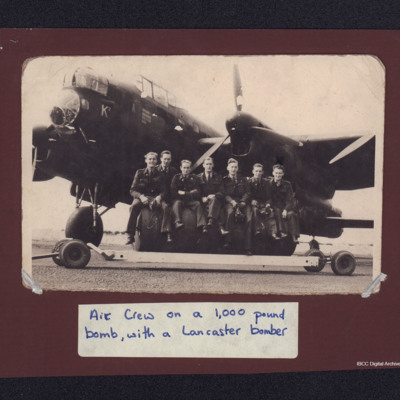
column 211, row 192
column 185, row 192
column 236, row 189
column 148, row 190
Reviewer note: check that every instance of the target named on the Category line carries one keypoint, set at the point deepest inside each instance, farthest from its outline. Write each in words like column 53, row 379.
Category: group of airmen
column 264, row 206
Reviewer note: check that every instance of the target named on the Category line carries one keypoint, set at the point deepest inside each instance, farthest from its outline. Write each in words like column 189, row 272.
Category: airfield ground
column 124, row 276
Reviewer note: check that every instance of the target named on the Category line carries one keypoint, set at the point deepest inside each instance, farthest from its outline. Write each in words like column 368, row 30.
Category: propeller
column 34, row 160
column 250, row 123
column 242, row 123
column 238, row 97
column 352, row 147
column 41, row 135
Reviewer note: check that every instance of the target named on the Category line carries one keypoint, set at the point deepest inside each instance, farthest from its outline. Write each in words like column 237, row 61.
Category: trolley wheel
column 75, row 254
column 321, row 261
column 57, row 248
column 343, row 263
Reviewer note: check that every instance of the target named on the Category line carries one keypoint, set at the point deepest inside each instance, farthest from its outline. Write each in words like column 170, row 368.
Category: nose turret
column 66, row 109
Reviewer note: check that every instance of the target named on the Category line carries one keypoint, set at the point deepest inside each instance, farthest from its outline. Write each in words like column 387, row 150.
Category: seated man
column 283, row 204
column 236, row 189
column 185, row 192
column 211, row 191
column 260, row 200
column 168, row 172
column 148, row 190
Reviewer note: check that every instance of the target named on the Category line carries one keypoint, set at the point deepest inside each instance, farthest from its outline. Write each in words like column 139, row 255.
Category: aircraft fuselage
column 102, row 129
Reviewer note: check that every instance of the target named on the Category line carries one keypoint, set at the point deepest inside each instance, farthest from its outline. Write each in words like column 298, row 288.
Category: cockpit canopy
column 153, row 91
column 87, row 78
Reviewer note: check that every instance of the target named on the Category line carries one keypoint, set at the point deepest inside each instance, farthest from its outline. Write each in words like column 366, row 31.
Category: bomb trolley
column 74, row 253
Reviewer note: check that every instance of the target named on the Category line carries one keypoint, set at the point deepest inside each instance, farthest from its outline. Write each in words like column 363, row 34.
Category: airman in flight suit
column 148, row 190
column 211, row 191
column 283, row 204
column 185, row 192
column 260, row 201
column 236, row 189
column 168, row 171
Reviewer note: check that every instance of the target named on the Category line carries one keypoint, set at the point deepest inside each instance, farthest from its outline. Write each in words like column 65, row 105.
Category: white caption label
column 217, row 330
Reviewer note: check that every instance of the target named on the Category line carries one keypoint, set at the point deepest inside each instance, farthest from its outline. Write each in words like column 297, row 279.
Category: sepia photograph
column 203, row 174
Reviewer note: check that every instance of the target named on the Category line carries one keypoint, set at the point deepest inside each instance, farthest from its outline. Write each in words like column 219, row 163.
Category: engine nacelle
column 313, row 222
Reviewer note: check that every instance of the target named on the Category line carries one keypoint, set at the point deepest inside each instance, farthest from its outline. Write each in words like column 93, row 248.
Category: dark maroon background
column 39, row 333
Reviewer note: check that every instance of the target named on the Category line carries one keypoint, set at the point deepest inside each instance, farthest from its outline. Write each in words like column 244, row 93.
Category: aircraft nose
column 67, row 108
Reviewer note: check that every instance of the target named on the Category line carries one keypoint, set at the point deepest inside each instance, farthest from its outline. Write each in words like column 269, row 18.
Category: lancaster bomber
column 101, row 129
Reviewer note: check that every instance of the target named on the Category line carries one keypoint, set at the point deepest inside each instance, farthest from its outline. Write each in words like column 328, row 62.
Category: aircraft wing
column 350, row 223
column 349, row 161
column 329, row 136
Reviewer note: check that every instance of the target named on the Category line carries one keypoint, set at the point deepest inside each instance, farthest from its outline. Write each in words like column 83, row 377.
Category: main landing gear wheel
column 75, row 254
column 321, row 261
column 80, row 226
column 343, row 263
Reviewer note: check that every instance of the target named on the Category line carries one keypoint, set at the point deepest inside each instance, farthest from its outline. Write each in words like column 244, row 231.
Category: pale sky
column 304, row 95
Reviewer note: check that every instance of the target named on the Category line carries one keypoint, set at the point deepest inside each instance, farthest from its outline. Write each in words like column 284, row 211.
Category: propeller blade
column 352, row 147
column 277, row 137
column 237, row 88
column 209, row 152
column 41, row 134
column 34, row 160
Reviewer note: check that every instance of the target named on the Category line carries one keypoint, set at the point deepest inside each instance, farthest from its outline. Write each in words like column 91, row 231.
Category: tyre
column 343, row 263
column 80, row 226
column 149, row 227
column 75, row 254
column 321, row 261
column 57, row 249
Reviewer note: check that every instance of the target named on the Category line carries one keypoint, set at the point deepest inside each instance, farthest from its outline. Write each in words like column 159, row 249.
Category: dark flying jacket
column 282, row 196
column 260, row 191
column 213, row 186
column 190, row 185
column 167, row 178
column 147, row 185
column 238, row 191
